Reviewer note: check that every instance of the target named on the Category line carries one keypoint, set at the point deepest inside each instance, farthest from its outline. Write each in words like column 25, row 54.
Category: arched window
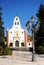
column 15, row 23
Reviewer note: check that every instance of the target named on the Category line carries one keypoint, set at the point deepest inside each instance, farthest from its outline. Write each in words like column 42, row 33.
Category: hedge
column 7, row 51
column 41, row 50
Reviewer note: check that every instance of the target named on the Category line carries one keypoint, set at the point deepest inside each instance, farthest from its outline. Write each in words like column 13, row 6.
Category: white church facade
column 17, row 36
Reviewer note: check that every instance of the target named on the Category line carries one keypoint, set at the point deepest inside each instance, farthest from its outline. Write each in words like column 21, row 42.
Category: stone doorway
column 17, row 43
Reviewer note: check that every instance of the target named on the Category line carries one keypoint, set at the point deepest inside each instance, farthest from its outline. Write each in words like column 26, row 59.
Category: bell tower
column 16, row 23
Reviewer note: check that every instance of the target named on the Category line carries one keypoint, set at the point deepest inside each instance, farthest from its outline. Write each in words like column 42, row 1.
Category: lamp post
column 28, row 27
column 33, row 44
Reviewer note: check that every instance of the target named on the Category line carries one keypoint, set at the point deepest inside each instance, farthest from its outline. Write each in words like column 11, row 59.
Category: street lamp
column 28, row 27
column 33, row 45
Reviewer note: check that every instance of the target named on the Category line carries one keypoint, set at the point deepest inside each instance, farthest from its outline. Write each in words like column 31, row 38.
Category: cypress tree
column 40, row 32
column 1, row 29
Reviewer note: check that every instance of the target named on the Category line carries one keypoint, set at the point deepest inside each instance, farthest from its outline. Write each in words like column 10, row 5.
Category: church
column 17, row 36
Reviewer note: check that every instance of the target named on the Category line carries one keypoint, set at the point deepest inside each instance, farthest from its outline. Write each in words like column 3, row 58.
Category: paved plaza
column 21, row 58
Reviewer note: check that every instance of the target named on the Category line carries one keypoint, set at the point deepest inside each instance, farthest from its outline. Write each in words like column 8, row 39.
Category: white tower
column 16, row 23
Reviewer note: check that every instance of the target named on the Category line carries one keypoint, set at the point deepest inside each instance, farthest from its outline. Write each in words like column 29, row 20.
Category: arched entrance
column 17, row 43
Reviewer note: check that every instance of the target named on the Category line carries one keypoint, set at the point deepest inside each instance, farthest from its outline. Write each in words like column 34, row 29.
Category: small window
column 11, row 32
column 17, row 23
column 22, row 32
column 22, row 44
column 11, row 44
column 16, row 18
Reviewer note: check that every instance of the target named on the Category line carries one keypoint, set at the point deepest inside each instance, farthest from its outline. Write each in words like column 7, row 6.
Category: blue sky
column 22, row 8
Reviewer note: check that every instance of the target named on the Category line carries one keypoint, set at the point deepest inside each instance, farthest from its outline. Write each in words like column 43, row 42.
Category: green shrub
column 41, row 50
column 1, row 50
column 7, row 51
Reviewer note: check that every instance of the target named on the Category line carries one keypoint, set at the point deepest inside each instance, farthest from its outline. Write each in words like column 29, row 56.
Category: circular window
column 29, row 43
